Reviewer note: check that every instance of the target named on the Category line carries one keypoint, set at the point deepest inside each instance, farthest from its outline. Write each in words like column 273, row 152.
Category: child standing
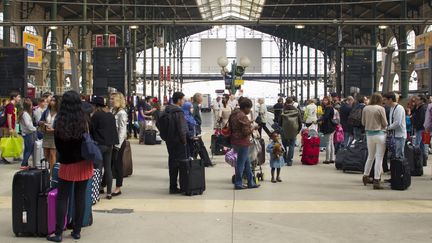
column 276, row 150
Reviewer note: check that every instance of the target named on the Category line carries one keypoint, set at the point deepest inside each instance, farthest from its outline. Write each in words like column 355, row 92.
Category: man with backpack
column 290, row 123
column 355, row 118
column 173, row 129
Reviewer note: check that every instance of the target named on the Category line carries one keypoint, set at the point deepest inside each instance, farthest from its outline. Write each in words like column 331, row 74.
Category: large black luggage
column 353, row 158
column 150, row 137
column 216, row 148
column 414, row 156
column 400, row 174
column 192, row 176
column 27, row 185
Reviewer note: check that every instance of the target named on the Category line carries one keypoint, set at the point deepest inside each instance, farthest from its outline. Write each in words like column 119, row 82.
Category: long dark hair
column 27, row 107
column 71, row 122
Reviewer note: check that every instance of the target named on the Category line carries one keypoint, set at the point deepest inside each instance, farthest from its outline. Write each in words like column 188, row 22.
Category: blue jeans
column 29, row 141
column 289, row 145
column 400, row 147
column 419, row 142
column 243, row 166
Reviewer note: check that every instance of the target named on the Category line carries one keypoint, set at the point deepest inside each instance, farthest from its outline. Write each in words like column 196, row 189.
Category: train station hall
column 216, row 121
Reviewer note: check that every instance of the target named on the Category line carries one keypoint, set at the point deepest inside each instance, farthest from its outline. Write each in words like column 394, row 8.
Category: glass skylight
column 225, row 9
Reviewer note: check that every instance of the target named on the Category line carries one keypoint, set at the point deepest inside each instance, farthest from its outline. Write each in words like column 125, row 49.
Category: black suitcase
column 340, row 158
column 400, row 174
column 192, row 176
column 150, row 137
column 414, row 156
column 216, row 148
column 355, row 157
column 27, row 186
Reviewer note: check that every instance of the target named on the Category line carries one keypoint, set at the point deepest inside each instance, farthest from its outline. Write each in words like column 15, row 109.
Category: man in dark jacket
column 176, row 142
column 418, row 117
column 344, row 112
column 290, row 122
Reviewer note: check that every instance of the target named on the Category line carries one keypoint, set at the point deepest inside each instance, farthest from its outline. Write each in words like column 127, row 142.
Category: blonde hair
column 119, row 100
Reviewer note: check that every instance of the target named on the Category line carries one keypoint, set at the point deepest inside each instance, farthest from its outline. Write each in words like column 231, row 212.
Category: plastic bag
column 231, row 158
column 11, row 147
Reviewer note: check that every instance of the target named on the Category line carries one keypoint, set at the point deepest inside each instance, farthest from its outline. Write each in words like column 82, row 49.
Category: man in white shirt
column 216, row 106
column 233, row 103
column 397, row 123
column 37, row 113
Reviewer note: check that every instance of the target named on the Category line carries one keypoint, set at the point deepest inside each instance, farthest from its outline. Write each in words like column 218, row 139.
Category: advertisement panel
column 423, row 43
column 33, row 44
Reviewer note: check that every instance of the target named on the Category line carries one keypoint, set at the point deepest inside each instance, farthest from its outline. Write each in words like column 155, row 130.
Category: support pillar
column 280, row 64
column 145, row 63
column 160, row 74
column 152, row 62
column 288, row 70
column 106, row 26
column 316, row 69
column 292, row 67
column 6, row 18
column 84, row 53
column 325, row 61
column 181, row 65
column 308, row 74
column 404, row 78
column 296, row 72
column 165, row 64
column 53, row 61
column 301, row 74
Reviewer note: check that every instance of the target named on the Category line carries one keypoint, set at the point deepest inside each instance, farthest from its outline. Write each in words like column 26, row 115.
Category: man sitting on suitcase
column 173, row 129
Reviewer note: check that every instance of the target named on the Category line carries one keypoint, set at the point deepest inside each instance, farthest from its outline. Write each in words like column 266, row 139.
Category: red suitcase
column 311, row 150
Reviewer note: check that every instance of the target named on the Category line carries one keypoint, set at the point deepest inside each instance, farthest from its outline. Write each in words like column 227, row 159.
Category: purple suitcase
column 52, row 202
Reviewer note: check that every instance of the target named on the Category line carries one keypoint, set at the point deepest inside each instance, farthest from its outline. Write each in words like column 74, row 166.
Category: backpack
column 290, row 125
column 3, row 119
column 166, row 126
column 339, row 134
column 355, row 117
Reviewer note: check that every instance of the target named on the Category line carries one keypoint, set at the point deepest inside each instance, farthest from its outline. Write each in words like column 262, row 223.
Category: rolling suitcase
column 47, row 205
column 400, row 174
column 150, row 137
column 414, row 156
column 192, row 177
column 96, row 181
column 355, row 157
column 311, row 149
column 26, row 187
column 127, row 159
column 38, row 153
column 216, row 148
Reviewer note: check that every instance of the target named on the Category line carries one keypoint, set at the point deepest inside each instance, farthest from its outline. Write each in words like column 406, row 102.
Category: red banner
column 161, row 73
column 98, row 40
column 168, row 73
column 112, row 40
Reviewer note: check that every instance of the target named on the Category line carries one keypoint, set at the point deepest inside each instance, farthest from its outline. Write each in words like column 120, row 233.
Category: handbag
column 90, row 151
column 231, row 157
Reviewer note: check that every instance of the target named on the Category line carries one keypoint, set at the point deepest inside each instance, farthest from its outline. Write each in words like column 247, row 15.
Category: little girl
column 276, row 151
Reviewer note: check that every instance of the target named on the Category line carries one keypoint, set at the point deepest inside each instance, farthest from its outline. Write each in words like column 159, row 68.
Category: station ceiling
column 249, row 10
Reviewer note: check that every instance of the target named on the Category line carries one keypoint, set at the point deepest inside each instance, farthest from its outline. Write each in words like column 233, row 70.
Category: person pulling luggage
column 397, row 124
column 71, row 125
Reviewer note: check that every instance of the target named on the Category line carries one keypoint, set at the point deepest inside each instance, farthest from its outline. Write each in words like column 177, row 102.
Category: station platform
column 312, row 204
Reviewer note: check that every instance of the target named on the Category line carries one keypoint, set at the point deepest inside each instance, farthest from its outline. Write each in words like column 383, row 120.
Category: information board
column 359, row 69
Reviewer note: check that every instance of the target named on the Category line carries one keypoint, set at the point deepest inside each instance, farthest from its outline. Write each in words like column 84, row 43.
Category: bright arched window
column 411, row 40
column 69, row 42
column 13, row 37
column 396, row 83
column 428, row 29
column 413, row 81
column 379, row 53
column 393, row 43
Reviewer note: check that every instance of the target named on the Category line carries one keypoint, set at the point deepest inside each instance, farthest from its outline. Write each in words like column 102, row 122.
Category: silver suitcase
column 38, row 153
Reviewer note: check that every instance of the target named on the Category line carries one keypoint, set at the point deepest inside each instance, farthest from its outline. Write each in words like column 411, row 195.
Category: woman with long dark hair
column 47, row 124
column 71, row 124
column 28, row 131
column 328, row 128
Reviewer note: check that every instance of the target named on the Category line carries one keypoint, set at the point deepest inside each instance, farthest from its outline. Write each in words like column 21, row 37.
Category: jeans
column 243, row 166
column 376, row 145
column 117, row 164
column 29, row 141
column 107, row 175
column 419, row 142
column 176, row 152
column 399, row 147
column 330, row 149
column 289, row 145
column 347, row 139
column 64, row 195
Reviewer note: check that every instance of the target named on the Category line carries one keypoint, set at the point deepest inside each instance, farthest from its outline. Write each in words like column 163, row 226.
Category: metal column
column 292, row 67
column 404, row 78
column 280, row 65
column 106, row 26
column 301, row 74
column 169, row 64
column 296, row 72
column 84, row 53
column 165, row 66
column 53, row 61
column 145, row 63
column 160, row 74
column 316, row 69
column 6, row 29
column 181, row 65
column 325, row 60
column 308, row 74
column 288, row 87
column 152, row 63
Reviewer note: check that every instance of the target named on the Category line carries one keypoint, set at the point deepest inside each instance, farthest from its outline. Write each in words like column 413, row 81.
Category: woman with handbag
column 71, row 125
column 240, row 134
column 118, row 104
column 328, row 128
column 375, row 122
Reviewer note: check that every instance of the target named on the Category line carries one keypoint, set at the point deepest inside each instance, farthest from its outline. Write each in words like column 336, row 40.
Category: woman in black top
column 71, row 124
column 328, row 129
column 103, row 129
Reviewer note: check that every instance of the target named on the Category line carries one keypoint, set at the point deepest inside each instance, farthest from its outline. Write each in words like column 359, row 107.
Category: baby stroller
column 257, row 159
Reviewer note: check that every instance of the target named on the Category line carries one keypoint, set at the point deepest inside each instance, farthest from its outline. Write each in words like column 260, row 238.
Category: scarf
column 187, row 113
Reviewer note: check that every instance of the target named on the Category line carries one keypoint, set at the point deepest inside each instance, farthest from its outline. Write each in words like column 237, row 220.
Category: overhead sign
column 423, row 43
column 99, row 41
column 112, row 40
column 33, row 44
column 168, row 73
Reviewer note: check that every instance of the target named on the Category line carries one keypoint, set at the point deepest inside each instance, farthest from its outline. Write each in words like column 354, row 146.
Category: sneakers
column 367, row 180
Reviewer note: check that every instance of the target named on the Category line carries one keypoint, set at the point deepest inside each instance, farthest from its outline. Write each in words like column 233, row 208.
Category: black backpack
column 355, row 117
column 3, row 119
column 166, row 126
